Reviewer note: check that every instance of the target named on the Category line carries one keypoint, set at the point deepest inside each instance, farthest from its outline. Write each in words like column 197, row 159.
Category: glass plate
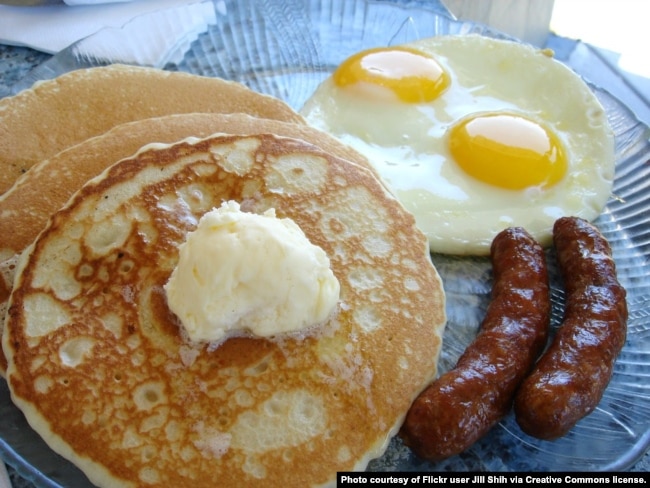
column 286, row 49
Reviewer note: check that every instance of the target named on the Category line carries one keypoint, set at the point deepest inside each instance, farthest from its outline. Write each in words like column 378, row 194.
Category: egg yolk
column 508, row 151
column 411, row 75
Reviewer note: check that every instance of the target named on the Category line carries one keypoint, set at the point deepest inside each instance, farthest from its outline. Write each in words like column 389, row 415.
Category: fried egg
column 473, row 135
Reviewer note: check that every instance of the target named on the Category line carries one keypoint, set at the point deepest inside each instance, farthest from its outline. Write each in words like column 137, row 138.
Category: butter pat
column 240, row 272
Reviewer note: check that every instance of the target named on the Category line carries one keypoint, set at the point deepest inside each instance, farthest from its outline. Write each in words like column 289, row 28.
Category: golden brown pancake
column 55, row 114
column 47, row 186
column 99, row 366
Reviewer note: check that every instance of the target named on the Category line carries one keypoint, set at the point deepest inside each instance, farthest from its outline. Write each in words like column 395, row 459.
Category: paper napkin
column 143, row 32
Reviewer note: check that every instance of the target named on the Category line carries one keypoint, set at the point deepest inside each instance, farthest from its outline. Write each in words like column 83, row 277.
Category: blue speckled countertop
column 15, row 63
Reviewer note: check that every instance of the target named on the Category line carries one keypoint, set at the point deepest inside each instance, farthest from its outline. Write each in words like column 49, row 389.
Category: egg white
column 408, row 143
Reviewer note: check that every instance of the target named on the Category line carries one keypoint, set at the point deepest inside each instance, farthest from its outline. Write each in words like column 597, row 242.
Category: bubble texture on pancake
column 101, row 370
column 48, row 185
column 58, row 113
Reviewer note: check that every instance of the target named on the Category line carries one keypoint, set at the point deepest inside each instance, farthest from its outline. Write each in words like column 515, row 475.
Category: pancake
column 47, row 186
column 99, row 366
column 37, row 123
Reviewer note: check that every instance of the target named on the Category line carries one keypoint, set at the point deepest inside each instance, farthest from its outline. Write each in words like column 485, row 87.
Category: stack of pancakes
column 114, row 167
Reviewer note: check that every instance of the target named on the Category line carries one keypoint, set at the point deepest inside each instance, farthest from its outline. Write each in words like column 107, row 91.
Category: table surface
column 17, row 62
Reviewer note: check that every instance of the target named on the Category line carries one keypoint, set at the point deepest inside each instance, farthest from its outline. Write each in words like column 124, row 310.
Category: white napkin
column 5, row 482
column 145, row 32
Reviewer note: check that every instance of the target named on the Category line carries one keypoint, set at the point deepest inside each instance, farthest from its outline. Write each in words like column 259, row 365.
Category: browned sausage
column 463, row 404
column 569, row 380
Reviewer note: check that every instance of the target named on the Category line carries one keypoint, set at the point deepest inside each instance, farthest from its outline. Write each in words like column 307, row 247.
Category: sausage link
column 463, row 404
column 570, row 378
